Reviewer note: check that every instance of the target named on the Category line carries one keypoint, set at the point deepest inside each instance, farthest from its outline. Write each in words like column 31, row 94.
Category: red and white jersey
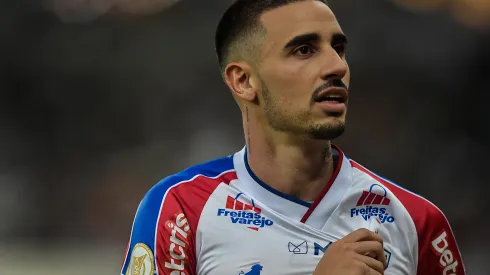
column 219, row 218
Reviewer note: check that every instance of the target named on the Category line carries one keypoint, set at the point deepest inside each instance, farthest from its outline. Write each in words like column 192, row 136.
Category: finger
column 362, row 234
column 372, row 249
column 373, row 264
column 368, row 247
column 380, row 256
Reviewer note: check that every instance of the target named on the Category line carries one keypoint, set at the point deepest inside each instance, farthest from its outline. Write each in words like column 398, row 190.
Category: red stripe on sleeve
column 175, row 249
column 438, row 252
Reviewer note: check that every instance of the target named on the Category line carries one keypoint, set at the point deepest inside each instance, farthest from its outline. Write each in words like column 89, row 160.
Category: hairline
column 254, row 35
column 247, row 46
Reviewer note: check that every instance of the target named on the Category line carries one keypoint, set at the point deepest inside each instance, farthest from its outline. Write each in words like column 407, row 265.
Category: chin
column 330, row 130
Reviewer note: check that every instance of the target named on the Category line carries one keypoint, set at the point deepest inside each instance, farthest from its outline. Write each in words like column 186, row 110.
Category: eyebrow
column 314, row 38
column 339, row 38
column 303, row 39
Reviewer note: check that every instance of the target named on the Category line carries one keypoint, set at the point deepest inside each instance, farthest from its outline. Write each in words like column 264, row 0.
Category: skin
column 288, row 134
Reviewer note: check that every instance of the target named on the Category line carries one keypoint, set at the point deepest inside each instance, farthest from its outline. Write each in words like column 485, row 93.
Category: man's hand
column 359, row 253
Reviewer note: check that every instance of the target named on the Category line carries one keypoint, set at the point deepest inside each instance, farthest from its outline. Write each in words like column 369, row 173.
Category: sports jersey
column 220, row 218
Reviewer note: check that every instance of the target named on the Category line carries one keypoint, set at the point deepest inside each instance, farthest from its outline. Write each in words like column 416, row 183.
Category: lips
column 333, row 95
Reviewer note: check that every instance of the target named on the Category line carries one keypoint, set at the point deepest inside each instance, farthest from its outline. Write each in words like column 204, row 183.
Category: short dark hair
column 241, row 22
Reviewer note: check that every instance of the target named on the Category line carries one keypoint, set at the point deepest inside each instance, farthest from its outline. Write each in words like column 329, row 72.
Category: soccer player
column 289, row 202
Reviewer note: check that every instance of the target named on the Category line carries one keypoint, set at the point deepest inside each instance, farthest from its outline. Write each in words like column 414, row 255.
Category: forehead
column 298, row 18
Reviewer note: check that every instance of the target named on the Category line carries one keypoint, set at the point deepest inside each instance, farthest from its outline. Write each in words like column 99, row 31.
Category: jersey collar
column 314, row 214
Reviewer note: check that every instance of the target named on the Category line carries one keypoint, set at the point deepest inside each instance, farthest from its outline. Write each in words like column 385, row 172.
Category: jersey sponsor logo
column 256, row 269
column 243, row 213
column 321, row 248
column 178, row 242
column 301, row 248
column 440, row 246
column 142, row 261
column 371, row 204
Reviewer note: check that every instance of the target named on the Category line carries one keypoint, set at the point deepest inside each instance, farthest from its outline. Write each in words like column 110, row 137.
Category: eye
column 305, row 50
column 340, row 48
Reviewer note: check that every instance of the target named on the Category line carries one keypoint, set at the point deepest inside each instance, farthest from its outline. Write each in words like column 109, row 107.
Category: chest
column 268, row 247
column 238, row 236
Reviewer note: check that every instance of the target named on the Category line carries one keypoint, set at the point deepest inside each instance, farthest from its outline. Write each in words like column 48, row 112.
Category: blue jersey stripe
column 146, row 218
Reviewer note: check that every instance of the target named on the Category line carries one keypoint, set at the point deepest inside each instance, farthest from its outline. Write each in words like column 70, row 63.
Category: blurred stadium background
column 99, row 99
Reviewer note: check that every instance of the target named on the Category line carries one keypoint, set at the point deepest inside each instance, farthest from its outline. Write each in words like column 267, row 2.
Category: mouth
column 332, row 95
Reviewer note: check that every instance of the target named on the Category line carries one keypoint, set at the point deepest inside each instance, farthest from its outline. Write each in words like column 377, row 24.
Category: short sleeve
column 438, row 250
column 161, row 240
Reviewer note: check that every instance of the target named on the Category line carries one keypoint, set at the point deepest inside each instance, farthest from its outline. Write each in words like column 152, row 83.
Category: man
column 289, row 202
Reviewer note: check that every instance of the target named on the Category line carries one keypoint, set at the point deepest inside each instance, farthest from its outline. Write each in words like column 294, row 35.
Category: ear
column 238, row 76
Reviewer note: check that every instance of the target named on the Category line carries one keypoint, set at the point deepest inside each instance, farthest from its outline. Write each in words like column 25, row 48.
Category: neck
column 300, row 167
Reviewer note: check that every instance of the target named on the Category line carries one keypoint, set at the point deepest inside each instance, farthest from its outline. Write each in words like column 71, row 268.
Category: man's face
column 301, row 68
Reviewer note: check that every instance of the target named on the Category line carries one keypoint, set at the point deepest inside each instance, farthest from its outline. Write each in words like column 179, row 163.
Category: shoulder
column 420, row 209
column 184, row 192
column 199, row 180
column 438, row 250
column 175, row 204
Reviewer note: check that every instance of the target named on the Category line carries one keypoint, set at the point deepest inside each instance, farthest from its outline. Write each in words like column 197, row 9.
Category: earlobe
column 237, row 76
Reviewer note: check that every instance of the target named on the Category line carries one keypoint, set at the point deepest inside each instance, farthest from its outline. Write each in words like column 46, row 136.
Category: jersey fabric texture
column 219, row 218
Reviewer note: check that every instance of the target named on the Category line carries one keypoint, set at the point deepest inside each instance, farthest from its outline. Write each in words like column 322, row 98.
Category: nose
column 334, row 65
